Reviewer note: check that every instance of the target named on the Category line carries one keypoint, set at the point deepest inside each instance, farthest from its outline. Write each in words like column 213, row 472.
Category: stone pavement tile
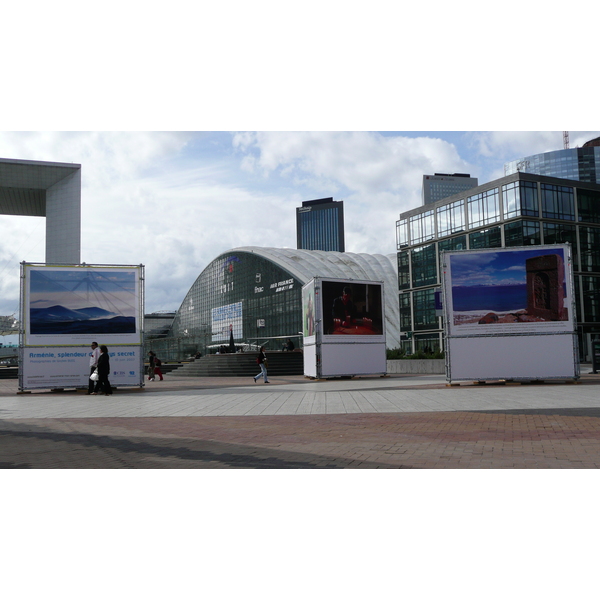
column 459, row 440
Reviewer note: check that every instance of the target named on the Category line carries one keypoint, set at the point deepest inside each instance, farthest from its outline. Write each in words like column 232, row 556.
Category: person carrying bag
column 262, row 362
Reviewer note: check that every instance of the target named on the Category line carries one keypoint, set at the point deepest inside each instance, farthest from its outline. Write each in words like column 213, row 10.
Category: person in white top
column 94, row 356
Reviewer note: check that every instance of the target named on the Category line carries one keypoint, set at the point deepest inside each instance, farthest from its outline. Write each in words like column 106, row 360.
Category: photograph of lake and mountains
column 82, row 301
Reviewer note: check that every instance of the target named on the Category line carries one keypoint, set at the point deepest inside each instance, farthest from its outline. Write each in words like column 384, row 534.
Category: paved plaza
column 370, row 422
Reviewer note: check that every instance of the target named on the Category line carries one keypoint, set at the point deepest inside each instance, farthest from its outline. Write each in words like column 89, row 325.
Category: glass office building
column 580, row 164
column 518, row 210
column 256, row 293
column 441, row 185
column 320, row 225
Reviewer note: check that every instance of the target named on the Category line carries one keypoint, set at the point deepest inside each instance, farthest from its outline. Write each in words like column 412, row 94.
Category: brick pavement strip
column 440, row 440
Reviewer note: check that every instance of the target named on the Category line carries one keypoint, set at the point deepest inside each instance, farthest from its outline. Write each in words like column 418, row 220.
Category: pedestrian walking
column 262, row 361
column 94, row 356
column 151, row 366
column 157, row 362
column 103, row 371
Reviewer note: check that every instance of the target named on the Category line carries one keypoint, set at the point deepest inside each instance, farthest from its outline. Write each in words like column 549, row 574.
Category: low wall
column 425, row 366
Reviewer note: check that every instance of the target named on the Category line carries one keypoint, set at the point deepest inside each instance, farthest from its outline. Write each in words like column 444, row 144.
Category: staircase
column 9, row 372
column 166, row 367
column 242, row 365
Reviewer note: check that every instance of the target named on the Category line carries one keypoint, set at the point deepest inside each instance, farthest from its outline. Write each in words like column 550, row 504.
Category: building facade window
column 589, row 243
column 557, row 202
column 486, row 238
column 402, row 239
column 591, row 298
column 483, row 208
column 451, row 218
column 561, row 233
column 520, row 198
column 428, row 342
column 522, row 233
column 403, row 270
column 424, row 310
column 588, row 206
column 424, row 266
column 405, row 313
column 422, row 227
column 456, row 243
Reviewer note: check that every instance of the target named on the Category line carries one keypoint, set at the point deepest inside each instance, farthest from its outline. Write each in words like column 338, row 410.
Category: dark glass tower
column 320, row 225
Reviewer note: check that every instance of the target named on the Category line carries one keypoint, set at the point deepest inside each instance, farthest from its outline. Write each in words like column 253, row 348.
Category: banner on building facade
column 225, row 319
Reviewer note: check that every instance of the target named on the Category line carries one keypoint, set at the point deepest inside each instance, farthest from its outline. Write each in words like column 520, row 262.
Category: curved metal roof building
column 306, row 264
column 262, row 287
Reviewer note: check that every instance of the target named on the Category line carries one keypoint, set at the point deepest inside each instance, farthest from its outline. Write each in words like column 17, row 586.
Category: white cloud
column 377, row 176
column 360, row 161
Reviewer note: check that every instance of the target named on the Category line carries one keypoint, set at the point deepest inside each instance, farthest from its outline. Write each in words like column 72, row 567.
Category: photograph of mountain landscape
column 82, row 301
column 517, row 286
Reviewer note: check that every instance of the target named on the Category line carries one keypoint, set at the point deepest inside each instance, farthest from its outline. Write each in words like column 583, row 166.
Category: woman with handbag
column 261, row 359
column 103, row 371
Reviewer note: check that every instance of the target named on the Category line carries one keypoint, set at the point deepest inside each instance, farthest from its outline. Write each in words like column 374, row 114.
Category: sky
column 173, row 201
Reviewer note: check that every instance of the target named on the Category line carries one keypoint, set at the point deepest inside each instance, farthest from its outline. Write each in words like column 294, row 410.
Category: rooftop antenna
column 566, row 140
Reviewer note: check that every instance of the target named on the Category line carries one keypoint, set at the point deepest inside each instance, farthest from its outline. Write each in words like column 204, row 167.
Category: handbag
column 94, row 376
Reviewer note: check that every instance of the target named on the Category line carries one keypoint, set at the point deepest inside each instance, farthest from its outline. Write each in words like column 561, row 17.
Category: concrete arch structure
column 46, row 189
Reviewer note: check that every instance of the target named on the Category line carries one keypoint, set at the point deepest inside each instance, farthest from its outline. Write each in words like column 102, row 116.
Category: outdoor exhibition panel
column 64, row 308
column 343, row 327
column 509, row 313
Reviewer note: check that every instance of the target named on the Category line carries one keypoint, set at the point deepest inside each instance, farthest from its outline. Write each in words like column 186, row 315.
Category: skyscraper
column 320, row 225
column 442, row 185
column 579, row 164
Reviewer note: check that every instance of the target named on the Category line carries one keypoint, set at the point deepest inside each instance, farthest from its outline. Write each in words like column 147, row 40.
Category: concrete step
column 9, row 372
column 242, row 365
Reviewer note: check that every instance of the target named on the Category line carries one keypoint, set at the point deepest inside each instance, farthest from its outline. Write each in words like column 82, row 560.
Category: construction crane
column 566, row 140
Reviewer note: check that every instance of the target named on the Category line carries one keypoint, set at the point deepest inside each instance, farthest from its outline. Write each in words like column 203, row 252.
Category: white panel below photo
column 512, row 357
column 310, row 360
column 353, row 359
